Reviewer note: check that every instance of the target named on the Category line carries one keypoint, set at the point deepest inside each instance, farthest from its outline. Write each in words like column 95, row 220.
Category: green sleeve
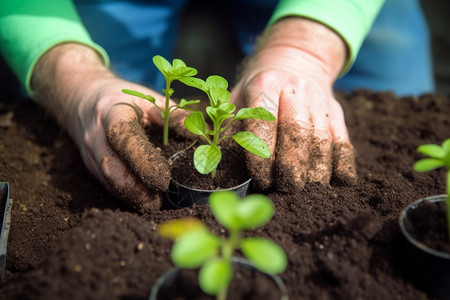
column 351, row 19
column 29, row 28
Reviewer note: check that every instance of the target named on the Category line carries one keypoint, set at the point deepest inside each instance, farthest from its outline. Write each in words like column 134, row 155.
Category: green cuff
column 351, row 19
column 28, row 29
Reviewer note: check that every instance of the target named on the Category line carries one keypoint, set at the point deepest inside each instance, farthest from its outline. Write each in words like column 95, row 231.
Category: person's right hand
column 291, row 75
column 106, row 124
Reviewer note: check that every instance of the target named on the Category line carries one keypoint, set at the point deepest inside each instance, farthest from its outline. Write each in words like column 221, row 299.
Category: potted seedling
column 171, row 72
column 196, row 247
column 425, row 225
column 222, row 115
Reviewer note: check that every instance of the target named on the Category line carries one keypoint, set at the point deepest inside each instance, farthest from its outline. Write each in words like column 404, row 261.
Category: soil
column 70, row 239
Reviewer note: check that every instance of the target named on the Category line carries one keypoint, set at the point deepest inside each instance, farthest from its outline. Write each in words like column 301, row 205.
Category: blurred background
column 208, row 44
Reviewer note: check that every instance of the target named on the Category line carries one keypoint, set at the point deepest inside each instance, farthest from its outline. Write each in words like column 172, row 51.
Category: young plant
column 171, row 72
column 438, row 156
column 222, row 114
column 196, row 247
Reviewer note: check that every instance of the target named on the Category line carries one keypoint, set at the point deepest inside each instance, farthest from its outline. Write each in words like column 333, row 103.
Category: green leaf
column 215, row 275
column 178, row 63
column 266, row 255
column 194, row 248
column 255, row 113
column 227, row 107
column 446, row 145
column 183, row 102
column 223, row 205
column 195, row 82
column 216, row 81
column 206, row 158
column 217, row 115
column 185, row 72
column 195, row 123
column 163, row 65
column 254, row 211
column 428, row 164
column 252, row 143
column 139, row 94
column 219, row 96
column 433, row 151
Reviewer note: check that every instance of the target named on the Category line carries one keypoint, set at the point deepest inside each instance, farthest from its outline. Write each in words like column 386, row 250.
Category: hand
column 309, row 142
column 106, row 124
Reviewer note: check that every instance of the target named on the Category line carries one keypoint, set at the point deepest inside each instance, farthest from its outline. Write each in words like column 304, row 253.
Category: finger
column 320, row 161
column 118, row 179
column 260, row 93
column 128, row 139
column 124, row 185
column 344, row 155
column 294, row 140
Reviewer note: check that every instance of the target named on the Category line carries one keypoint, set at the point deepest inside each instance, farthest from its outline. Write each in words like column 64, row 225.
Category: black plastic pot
column 168, row 279
column 5, row 215
column 180, row 195
column 429, row 268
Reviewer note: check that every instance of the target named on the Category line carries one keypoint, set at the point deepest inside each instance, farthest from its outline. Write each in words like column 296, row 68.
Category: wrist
column 294, row 42
column 63, row 77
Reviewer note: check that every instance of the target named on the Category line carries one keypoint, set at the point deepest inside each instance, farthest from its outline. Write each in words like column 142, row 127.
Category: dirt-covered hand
column 309, row 142
column 107, row 125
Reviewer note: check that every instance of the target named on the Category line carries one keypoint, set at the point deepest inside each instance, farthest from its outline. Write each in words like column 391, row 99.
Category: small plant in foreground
column 438, row 156
column 220, row 110
column 171, row 72
column 196, row 247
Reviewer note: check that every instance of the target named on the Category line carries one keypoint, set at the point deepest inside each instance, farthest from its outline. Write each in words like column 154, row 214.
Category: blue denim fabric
column 395, row 56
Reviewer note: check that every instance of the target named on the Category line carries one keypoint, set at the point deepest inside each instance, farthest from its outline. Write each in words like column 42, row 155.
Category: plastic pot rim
column 235, row 260
column 421, row 246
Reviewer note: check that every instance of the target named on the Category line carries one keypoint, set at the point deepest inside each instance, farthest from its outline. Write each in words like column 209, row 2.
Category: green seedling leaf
column 195, row 82
column 252, row 143
column 175, row 229
column 227, row 107
column 219, row 96
column 183, row 103
column 194, row 248
column 178, row 63
column 255, row 113
column 446, row 145
column 206, row 158
column 254, row 211
column 428, row 164
column 216, row 81
column 215, row 275
column 217, row 115
column 195, row 123
column 163, row 65
column 184, row 71
column 223, row 206
column 433, row 151
column 265, row 254
column 139, row 94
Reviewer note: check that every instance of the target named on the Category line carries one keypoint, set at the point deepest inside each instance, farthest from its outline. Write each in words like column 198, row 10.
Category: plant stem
column 227, row 252
column 166, row 113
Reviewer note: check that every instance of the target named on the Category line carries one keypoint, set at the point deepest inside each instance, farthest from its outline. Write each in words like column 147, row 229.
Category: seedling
column 196, row 247
column 220, row 110
column 171, row 72
column 438, row 156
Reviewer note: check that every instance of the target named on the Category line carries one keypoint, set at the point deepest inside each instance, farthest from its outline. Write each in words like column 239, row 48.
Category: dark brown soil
column 70, row 240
